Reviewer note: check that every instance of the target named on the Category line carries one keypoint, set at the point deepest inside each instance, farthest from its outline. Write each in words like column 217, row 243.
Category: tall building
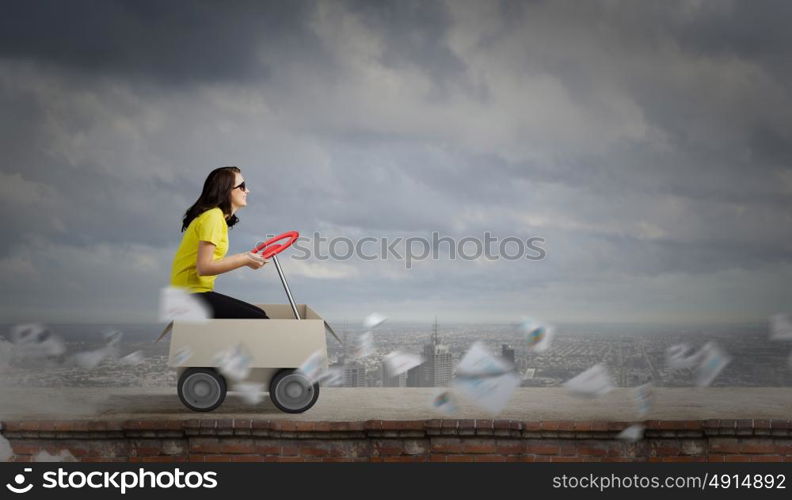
column 354, row 374
column 437, row 367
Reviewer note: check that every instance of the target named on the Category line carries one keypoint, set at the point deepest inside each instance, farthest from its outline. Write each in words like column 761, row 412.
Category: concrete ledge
column 434, row 440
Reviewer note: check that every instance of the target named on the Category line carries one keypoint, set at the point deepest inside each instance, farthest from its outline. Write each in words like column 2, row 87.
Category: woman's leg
column 225, row 307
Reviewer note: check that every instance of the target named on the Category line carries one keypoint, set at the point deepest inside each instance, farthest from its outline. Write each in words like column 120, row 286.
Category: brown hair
column 216, row 194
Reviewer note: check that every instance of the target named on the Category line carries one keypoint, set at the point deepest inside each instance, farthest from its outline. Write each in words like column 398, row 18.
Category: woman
column 201, row 254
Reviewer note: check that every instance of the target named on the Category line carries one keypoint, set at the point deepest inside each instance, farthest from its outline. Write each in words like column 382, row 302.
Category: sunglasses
column 241, row 186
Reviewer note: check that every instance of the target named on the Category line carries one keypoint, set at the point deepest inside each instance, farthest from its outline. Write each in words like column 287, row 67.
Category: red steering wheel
column 271, row 247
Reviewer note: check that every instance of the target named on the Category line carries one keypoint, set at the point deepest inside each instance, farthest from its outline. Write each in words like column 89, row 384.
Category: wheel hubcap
column 294, row 391
column 201, row 390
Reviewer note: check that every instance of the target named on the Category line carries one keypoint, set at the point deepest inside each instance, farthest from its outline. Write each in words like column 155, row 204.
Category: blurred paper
column 34, row 340
column 594, row 382
column 644, row 399
column 478, row 361
column 182, row 355
column 781, row 327
column 62, row 456
column 5, row 449
column 538, row 337
column 234, row 363
column 398, row 362
column 251, row 393
column 373, row 320
column 681, row 356
column 313, row 367
column 632, row 433
column 445, row 403
column 363, row 346
column 132, row 359
column 176, row 304
column 332, row 377
column 112, row 337
column 90, row 359
column 713, row 361
column 486, row 380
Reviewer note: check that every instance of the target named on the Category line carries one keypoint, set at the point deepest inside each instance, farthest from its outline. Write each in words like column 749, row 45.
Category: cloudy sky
column 648, row 143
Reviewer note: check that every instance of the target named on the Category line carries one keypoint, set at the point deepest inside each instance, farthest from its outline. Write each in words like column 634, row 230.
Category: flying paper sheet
column 538, row 337
column 373, row 320
column 643, row 399
column 681, row 356
column 332, row 377
column 5, row 449
column 781, row 327
column 486, row 380
column 594, row 382
column 62, row 456
column 176, row 304
column 632, row 433
column 398, row 362
column 234, row 363
column 251, row 393
column 34, row 340
column 90, row 359
column 445, row 403
column 363, row 346
column 713, row 361
column 132, row 359
column 313, row 367
column 182, row 355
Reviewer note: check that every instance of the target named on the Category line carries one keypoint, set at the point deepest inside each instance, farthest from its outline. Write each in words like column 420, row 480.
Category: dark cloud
column 174, row 42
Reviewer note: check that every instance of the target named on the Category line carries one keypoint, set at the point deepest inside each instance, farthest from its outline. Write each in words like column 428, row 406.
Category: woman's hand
column 254, row 261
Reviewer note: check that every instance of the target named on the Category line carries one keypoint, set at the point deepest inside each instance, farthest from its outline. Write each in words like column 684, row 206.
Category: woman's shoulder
column 212, row 213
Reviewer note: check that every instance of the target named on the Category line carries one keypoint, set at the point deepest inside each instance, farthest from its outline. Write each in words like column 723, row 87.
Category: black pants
column 225, row 307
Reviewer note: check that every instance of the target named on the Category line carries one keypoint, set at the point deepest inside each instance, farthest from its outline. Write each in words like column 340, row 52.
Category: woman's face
column 238, row 194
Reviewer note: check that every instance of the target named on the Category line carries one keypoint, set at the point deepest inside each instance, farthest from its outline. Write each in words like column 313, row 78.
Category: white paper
column 398, row 362
column 34, row 340
column 313, row 367
column 644, row 398
column 681, row 356
column 62, row 456
column 373, row 320
column 632, row 433
column 234, row 362
column 781, row 327
column 478, row 361
column 182, row 355
column 487, row 380
column 132, row 359
column 445, row 403
column 251, row 393
column 333, row 377
column 713, row 361
column 594, row 382
column 538, row 337
column 176, row 304
column 90, row 359
column 363, row 346
column 112, row 337
column 5, row 449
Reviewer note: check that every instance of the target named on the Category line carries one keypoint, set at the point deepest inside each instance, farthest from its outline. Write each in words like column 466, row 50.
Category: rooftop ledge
column 396, row 424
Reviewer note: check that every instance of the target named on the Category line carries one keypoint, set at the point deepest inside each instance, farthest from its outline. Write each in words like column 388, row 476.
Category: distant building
column 388, row 381
column 507, row 353
column 437, row 367
column 355, row 375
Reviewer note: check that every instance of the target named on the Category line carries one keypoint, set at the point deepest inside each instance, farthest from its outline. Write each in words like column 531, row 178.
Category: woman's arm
column 206, row 266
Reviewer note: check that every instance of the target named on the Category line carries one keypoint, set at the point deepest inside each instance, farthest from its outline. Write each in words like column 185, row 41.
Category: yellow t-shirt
column 210, row 226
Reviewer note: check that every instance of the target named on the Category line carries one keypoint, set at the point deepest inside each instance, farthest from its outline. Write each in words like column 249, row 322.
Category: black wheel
column 292, row 392
column 202, row 389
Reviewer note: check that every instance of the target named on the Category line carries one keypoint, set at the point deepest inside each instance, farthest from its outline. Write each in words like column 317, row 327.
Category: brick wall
column 401, row 441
